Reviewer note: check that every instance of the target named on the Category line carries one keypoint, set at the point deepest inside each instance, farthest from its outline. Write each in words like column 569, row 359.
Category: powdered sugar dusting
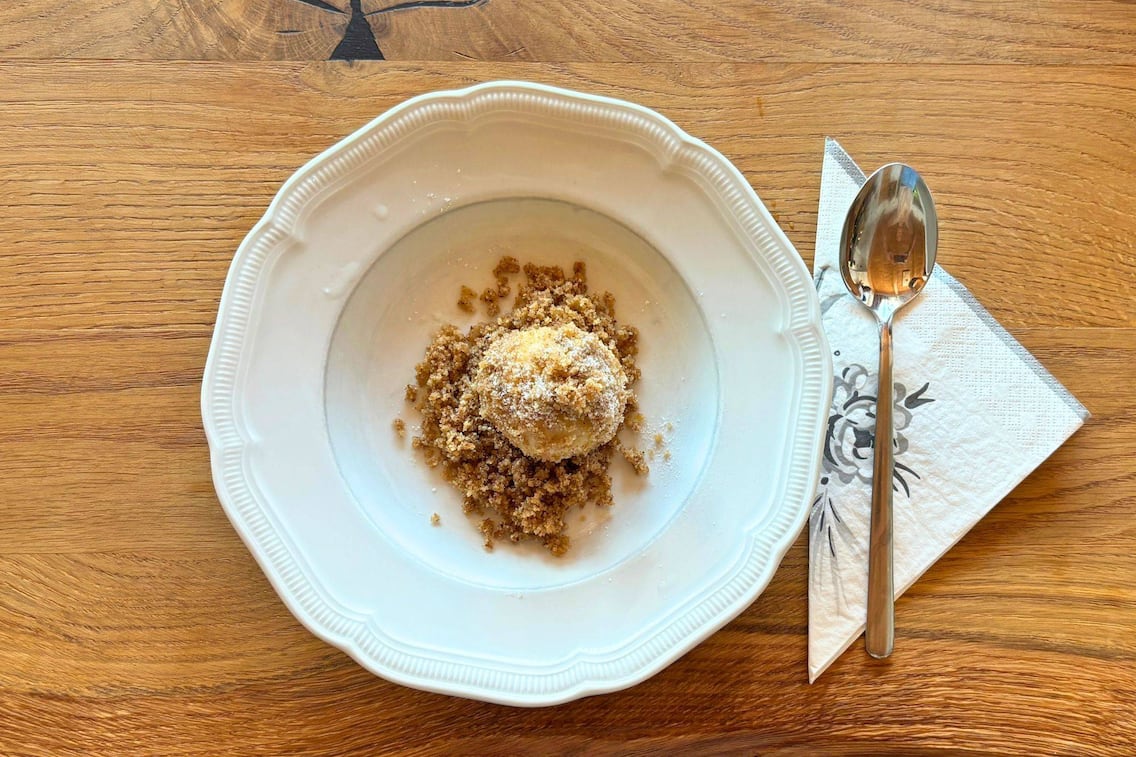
column 555, row 392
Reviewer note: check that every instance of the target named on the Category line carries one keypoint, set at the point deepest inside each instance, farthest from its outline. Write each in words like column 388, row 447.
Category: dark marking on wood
column 428, row 4
column 358, row 41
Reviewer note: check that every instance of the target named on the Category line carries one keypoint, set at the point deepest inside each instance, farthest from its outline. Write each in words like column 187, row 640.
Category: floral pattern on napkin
column 848, row 457
column 975, row 413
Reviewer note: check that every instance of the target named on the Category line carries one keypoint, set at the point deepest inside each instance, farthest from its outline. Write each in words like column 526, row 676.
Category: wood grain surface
column 902, row 31
column 142, row 139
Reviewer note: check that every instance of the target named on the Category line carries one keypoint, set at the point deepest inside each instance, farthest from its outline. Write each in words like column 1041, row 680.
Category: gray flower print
column 851, row 427
column 848, row 448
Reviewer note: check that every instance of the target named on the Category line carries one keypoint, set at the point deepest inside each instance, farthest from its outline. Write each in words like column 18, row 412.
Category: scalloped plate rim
column 582, row 685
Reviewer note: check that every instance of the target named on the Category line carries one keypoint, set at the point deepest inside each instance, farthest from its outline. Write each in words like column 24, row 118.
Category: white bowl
column 332, row 299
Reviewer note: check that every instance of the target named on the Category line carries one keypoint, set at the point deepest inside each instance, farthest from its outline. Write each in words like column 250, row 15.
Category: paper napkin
column 974, row 414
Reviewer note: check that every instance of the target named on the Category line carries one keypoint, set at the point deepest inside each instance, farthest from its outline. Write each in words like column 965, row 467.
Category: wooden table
column 141, row 139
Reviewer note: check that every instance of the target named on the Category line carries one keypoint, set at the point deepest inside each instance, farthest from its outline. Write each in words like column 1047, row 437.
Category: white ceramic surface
column 331, row 300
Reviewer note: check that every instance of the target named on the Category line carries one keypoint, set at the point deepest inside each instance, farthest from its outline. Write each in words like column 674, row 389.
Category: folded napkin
column 974, row 414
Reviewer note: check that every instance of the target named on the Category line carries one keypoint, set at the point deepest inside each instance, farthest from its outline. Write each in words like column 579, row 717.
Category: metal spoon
column 887, row 253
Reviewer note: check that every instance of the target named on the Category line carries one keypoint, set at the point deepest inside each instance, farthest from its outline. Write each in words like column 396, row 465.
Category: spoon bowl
column 887, row 254
column 889, row 240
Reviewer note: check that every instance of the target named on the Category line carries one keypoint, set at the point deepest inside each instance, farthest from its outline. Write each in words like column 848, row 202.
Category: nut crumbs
column 490, row 297
column 466, row 300
column 519, row 497
column 636, row 459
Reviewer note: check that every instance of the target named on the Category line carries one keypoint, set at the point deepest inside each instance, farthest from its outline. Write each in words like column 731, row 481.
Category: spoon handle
column 880, row 634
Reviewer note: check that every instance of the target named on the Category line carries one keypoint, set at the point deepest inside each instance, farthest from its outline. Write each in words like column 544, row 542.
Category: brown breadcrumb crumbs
column 505, row 268
column 490, row 297
column 467, row 298
column 634, row 421
column 659, row 440
column 667, row 455
column 518, row 497
column 435, row 520
column 399, row 426
column 636, row 459
column 411, row 393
